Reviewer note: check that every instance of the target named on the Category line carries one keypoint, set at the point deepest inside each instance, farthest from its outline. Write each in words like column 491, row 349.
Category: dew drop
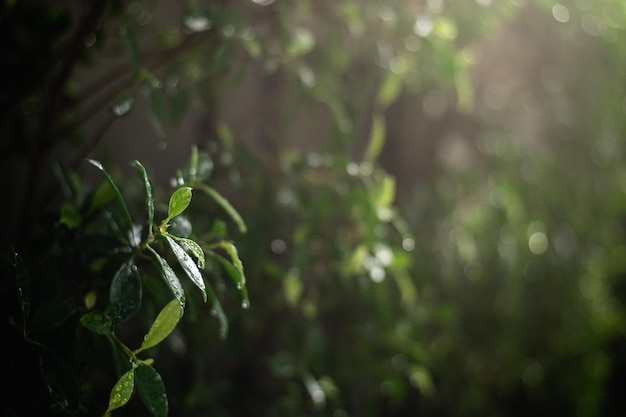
column 245, row 304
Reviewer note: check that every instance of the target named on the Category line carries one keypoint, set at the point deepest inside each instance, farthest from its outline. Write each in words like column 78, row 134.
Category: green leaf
column 122, row 391
column 23, row 286
column 97, row 322
column 236, row 274
column 60, row 380
column 377, row 138
column 130, row 42
column 231, row 250
column 170, row 278
column 152, row 390
column 179, row 201
column 188, row 264
column 230, row 210
column 125, row 292
column 118, row 196
column 218, row 311
column 70, row 216
column 164, row 324
column 389, row 90
column 198, row 168
column 464, row 91
column 192, row 247
column 103, row 195
column 193, row 164
column 149, row 195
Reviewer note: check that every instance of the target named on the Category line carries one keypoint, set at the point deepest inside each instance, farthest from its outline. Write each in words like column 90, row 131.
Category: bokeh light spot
column 538, row 243
column 560, row 13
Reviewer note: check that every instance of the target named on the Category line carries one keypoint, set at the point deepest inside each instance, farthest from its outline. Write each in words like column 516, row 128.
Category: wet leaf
column 163, row 325
column 192, row 247
column 149, row 194
column 179, row 201
column 237, row 277
column 170, row 278
column 60, row 380
column 118, row 194
column 97, row 322
column 122, row 391
column 218, row 311
column 231, row 250
column 152, row 390
column 125, row 292
column 188, row 264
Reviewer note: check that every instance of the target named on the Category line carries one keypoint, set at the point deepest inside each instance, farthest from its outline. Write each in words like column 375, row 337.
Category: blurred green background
column 434, row 192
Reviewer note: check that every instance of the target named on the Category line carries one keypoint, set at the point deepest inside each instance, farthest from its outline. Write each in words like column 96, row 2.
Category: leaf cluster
column 124, row 255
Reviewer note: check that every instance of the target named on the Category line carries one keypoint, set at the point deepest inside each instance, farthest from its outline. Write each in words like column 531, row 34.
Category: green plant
column 122, row 258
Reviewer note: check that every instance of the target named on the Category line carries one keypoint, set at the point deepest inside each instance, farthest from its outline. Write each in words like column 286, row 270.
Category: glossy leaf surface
column 97, row 322
column 170, row 278
column 122, row 390
column 118, row 194
column 192, row 247
column 149, row 193
column 125, row 292
column 218, row 311
column 163, row 325
column 179, row 201
column 188, row 265
column 152, row 390
column 237, row 278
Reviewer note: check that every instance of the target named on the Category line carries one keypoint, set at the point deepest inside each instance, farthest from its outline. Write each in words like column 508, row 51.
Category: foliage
column 101, row 244
column 489, row 291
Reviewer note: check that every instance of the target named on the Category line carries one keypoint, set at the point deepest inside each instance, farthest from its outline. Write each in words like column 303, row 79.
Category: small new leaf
column 122, row 391
column 179, row 201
